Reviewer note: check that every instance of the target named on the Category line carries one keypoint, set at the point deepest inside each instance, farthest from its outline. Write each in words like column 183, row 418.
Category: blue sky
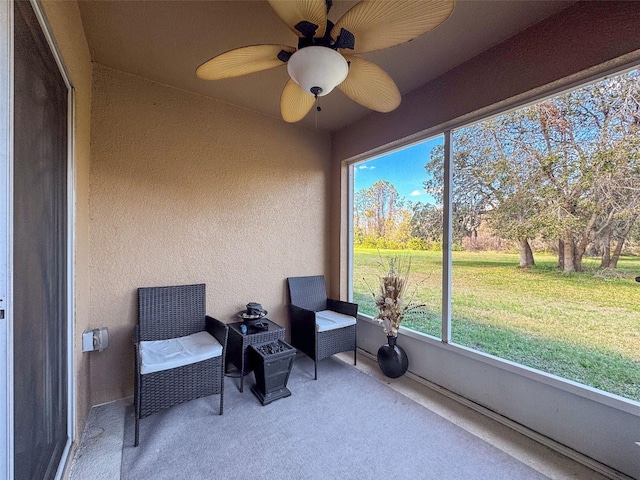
column 404, row 169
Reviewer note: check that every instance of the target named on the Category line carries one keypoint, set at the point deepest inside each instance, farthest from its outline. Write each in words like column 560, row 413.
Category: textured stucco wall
column 185, row 189
column 64, row 20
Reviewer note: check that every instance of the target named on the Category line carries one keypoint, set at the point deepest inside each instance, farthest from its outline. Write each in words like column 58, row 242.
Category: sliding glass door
column 40, row 244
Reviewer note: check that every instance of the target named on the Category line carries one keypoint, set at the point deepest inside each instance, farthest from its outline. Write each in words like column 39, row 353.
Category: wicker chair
column 172, row 320
column 320, row 326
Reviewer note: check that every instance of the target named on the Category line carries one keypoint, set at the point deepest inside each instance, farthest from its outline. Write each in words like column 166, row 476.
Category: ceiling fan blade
column 378, row 24
column 292, row 12
column 242, row 61
column 295, row 103
column 370, row 86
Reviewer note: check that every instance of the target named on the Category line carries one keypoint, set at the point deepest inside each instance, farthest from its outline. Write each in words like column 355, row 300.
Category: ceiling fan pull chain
column 318, row 109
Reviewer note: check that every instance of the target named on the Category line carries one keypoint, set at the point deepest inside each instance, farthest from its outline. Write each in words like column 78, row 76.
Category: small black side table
column 238, row 344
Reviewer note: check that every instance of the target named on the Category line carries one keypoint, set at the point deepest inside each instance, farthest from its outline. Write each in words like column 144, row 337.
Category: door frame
column 6, row 237
column 6, row 250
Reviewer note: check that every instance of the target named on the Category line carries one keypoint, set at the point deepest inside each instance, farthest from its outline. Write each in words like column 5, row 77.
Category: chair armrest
column 303, row 329
column 346, row 308
column 218, row 329
column 135, row 337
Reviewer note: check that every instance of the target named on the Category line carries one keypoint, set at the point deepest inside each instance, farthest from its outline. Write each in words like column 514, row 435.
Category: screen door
column 40, row 324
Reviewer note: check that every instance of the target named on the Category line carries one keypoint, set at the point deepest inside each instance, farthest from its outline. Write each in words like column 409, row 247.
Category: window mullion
column 447, row 240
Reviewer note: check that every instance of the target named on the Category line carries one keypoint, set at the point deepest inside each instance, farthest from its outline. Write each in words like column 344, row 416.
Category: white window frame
column 447, row 129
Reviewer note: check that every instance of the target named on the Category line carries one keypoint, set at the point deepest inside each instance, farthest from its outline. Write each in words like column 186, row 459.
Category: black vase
column 392, row 359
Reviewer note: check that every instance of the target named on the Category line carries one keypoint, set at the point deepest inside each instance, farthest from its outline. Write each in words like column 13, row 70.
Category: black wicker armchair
column 320, row 326
column 177, row 358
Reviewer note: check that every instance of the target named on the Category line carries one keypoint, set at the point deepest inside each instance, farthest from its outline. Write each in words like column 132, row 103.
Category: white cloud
column 365, row 167
column 416, row 193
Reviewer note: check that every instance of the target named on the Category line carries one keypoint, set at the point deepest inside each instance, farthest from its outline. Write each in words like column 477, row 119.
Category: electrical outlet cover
column 87, row 341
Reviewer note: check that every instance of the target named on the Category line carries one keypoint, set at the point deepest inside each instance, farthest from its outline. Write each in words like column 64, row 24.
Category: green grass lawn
column 584, row 326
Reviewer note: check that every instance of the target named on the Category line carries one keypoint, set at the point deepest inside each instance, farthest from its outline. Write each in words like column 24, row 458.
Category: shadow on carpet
column 345, row 425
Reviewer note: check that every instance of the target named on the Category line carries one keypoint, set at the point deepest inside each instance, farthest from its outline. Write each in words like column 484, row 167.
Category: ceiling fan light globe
column 315, row 67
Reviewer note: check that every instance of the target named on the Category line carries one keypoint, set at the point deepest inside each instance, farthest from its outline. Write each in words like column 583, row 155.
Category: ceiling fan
column 326, row 54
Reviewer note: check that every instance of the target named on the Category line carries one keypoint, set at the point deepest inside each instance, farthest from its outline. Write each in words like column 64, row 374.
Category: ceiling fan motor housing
column 317, row 70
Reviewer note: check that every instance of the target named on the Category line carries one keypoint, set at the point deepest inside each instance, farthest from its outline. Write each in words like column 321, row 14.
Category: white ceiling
column 166, row 41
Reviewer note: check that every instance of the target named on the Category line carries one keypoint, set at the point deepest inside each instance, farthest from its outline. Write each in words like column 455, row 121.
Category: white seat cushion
column 158, row 355
column 330, row 320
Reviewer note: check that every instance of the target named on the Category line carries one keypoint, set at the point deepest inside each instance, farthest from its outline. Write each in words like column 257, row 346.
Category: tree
column 593, row 174
column 426, row 222
column 379, row 212
column 567, row 169
column 468, row 203
column 492, row 180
